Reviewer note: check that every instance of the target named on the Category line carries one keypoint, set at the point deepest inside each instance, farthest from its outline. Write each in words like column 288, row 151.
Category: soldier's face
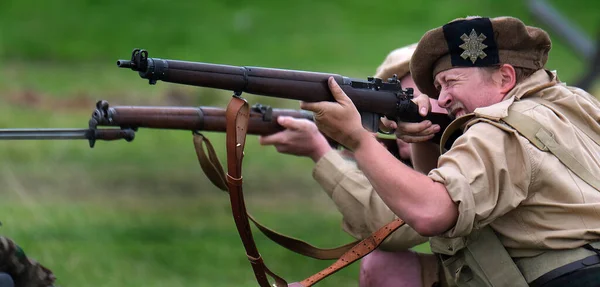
column 408, row 82
column 462, row 90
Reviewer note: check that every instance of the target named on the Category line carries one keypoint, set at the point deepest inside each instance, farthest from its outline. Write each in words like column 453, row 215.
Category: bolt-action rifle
column 124, row 121
column 109, row 123
column 374, row 98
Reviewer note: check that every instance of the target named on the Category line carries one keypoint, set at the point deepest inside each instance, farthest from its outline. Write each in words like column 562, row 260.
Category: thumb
column 424, row 105
column 274, row 139
column 314, row 107
column 290, row 123
column 336, row 90
column 386, row 125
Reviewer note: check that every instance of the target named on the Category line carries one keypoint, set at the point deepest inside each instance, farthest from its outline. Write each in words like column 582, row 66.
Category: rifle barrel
column 374, row 95
column 43, row 134
column 90, row 134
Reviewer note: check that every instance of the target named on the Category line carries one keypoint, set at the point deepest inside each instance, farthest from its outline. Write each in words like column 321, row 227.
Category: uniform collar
column 530, row 86
column 534, row 83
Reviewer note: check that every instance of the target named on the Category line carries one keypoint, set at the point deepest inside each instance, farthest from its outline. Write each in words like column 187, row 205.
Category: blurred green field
column 163, row 240
column 142, row 213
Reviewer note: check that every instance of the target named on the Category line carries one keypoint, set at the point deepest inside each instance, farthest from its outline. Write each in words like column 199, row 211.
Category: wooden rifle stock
column 262, row 119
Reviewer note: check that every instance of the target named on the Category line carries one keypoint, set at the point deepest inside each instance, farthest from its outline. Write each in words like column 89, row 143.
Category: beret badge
column 473, row 46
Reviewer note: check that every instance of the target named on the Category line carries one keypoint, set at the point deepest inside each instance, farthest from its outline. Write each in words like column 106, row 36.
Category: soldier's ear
column 508, row 78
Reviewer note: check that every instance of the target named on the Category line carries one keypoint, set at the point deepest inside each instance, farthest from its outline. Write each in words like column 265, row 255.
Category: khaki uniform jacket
column 532, row 201
column 362, row 209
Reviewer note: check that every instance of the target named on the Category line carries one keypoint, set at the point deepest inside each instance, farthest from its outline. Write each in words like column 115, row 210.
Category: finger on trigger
column 432, row 129
column 413, row 128
column 415, row 139
column 428, row 131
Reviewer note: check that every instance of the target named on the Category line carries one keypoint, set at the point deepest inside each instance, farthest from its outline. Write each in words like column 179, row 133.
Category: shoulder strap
column 544, row 140
column 573, row 118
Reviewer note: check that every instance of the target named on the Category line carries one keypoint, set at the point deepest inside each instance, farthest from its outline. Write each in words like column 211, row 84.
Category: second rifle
column 124, row 122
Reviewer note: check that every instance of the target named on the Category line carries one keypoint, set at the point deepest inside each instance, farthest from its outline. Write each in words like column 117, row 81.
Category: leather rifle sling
column 346, row 254
column 209, row 162
column 357, row 252
column 236, row 116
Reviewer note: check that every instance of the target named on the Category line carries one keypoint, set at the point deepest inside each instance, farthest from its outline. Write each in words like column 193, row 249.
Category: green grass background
column 142, row 213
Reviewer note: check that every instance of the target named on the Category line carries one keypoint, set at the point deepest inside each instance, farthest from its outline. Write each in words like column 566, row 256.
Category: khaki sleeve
column 362, row 209
column 487, row 172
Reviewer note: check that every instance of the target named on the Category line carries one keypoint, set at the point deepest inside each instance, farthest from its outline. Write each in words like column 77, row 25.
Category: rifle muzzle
column 125, row 64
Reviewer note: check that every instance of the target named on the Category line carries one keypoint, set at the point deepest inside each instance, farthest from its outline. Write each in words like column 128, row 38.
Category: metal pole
column 565, row 30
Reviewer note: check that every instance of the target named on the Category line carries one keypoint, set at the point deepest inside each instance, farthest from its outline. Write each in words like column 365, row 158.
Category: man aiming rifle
column 514, row 200
column 363, row 210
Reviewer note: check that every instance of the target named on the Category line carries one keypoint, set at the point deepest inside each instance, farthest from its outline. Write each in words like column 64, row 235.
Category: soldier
column 515, row 200
column 362, row 209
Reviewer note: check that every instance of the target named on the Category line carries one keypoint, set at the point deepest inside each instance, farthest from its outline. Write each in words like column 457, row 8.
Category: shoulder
column 490, row 143
column 485, row 131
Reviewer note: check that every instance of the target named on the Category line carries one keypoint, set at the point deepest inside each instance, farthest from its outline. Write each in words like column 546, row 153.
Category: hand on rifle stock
column 415, row 132
column 300, row 137
column 338, row 120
